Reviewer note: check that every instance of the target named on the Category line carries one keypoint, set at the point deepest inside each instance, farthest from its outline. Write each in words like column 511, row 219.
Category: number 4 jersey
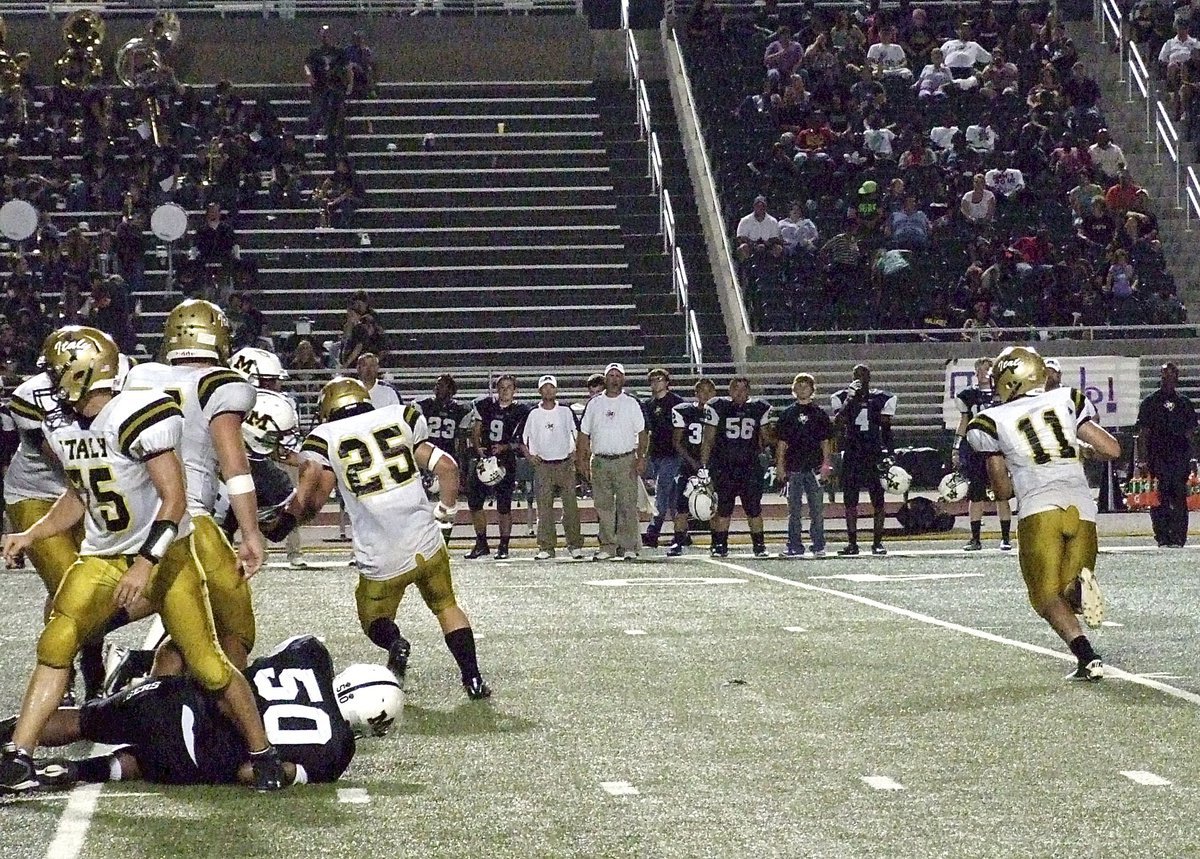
column 371, row 455
column 1036, row 435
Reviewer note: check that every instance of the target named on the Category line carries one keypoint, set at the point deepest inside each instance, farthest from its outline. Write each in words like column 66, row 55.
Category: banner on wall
column 1113, row 384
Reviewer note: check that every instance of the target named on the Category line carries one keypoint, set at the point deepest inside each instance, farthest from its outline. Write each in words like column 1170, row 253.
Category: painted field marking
column 899, row 577
column 1112, row 623
column 74, row 823
column 882, row 782
column 353, row 795
column 1145, row 777
column 619, row 788
column 1161, row 675
column 794, row 629
column 635, row 632
column 664, row 580
column 1110, row 671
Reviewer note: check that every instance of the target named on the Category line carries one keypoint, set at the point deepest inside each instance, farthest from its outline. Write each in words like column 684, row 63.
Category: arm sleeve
column 225, row 391
column 982, row 434
column 316, row 449
column 417, row 424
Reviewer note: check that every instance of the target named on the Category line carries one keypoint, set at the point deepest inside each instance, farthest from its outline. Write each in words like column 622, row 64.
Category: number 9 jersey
column 371, row 455
column 1036, row 435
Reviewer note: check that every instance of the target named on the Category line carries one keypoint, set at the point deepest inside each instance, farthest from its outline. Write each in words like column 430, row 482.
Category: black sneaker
column 650, row 540
column 268, row 770
column 760, row 550
column 852, row 549
column 130, row 665
column 973, row 546
column 17, row 773
column 398, row 658
column 685, row 541
column 719, row 551
column 878, row 549
column 501, row 551
column 675, row 550
column 477, row 690
column 7, row 728
column 481, row 550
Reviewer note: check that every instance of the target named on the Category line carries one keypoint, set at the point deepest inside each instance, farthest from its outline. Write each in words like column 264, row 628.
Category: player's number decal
column 695, row 434
column 496, row 431
column 377, row 462
column 1041, row 446
column 442, row 427
column 98, row 483
column 863, row 420
column 305, row 725
column 742, row 428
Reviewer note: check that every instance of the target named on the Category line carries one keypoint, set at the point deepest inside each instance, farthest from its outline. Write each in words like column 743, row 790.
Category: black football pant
column 1170, row 517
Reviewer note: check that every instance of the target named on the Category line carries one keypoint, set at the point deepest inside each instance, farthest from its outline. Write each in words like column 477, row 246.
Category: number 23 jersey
column 1036, row 434
column 371, row 455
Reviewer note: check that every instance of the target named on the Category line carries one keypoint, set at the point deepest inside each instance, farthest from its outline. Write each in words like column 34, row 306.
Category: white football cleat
column 1091, row 601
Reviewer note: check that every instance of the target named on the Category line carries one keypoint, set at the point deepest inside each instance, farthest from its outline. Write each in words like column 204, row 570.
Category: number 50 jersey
column 1036, row 435
column 371, row 455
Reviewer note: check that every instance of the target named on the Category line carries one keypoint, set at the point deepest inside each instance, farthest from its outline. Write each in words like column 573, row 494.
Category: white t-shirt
column 977, row 211
column 1006, row 182
column 959, row 54
column 550, row 433
column 802, row 232
column 981, row 138
column 878, row 140
column 383, row 395
column 1108, row 159
column 1176, row 50
column 943, row 135
column 613, row 424
column 755, row 230
column 890, row 57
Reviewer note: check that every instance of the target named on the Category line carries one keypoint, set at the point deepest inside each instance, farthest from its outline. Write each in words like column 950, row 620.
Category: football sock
column 655, row 526
column 383, row 632
column 98, row 769
column 721, row 539
column 462, row 646
column 758, row 540
column 976, row 527
column 1082, row 648
column 1005, row 529
column 91, row 666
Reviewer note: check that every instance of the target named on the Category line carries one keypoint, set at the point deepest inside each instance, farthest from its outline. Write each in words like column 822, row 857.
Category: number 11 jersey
column 372, row 456
column 1036, row 434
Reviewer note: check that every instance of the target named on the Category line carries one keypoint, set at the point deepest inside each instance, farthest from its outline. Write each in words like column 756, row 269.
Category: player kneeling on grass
column 1041, row 437
column 375, row 457
column 171, row 732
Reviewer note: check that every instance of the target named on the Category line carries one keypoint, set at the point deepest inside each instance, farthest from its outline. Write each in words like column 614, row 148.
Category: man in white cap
column 1053, row 374
column 612, row 454
column 548, row 442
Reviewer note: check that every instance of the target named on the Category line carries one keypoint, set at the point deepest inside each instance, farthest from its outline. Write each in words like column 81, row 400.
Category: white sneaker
column 604, row 556
column 297, row 562
column 818, row 553
column 577, row 554
column 1090, row 599
column 543, row 556
column 630, row 556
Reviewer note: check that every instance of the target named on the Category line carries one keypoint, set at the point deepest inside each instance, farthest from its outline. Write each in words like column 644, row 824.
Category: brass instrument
column 12, row 86
column 165, row 30
column 214, row 160
column 80, row 65
column 321, row 196
column 138, row 64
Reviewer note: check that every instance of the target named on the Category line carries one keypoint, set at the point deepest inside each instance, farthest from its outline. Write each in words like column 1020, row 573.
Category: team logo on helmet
column 1018, row 370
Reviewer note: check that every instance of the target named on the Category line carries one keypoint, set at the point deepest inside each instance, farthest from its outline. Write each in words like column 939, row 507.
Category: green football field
column 907, row 706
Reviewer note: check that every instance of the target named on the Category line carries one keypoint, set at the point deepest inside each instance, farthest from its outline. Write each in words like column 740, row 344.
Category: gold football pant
column 376, row 599
column 51, row 556
column 1054, row 546
column 177, row 591
column 228, row 593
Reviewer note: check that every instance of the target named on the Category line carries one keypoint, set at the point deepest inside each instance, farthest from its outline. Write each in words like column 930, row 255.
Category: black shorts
column 859, row 473
column 172, row 729
column 973, row 466
column 478, row 491
column 738, row 480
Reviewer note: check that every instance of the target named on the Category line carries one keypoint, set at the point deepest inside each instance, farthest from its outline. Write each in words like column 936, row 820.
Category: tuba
column 137, row 65
column 164, row 31
column 12, row 86
column 80, row 65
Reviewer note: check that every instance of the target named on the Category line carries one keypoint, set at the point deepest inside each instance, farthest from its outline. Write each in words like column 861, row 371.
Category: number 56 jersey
column 371, row 455
column 1036, row 433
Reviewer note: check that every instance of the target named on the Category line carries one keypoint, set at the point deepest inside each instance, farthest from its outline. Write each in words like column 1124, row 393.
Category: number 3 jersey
column 105, row 461
column 202, row 393
column 1036, row 435
column 371, row 455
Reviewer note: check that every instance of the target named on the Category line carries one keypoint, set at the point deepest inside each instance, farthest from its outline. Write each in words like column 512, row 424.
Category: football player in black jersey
column 863, row 417
column 687, row 421
column 973, row 465
column 663, row 464
column 496, row 426
column 446, row 417
column 735, row 432
column 171, row 732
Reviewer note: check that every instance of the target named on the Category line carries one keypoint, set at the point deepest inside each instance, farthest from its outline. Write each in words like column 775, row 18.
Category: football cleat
column 543, row 555
column 818, row 553
column 675, row 550
column 481, row 550
column 760, row 551
column 268, row 770
column 604, row 556
column 57, row 774
column 1005, row 546
column 1091, row 601
column 477, row 690
column 973, row 546
column 792, row 553
column 1090, row 671
column 398, row 658
column 848, row 551
column 577, row 554
column 196, row 329
column 17, row 773
column 878, row 549
column 126, row 666
column 502, row 551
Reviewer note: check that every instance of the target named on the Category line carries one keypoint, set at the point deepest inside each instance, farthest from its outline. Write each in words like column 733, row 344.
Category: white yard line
column 619, row 788
column 1110, row 672
column 882, row 782
column 73, row 826
column 353, row 795
column 794, row 629
column 1144, row 777
column 635, row 632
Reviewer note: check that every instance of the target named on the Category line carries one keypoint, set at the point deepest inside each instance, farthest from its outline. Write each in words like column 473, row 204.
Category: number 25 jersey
column 1036, row 434
column 371, row 455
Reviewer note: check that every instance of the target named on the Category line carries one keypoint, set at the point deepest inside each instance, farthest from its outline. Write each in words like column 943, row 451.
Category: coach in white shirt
column 549, row 443
column 612, row 454
column 368, row 373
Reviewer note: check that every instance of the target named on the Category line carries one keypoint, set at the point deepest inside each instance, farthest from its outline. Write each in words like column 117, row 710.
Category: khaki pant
column 615, row 493
column 549, row 477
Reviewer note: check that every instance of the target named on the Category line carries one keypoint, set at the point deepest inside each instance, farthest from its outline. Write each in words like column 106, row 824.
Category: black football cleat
column 685, row 541
column 878, row 549
column 502, row 551
column 675, row 550
column 650, row 540
column 128, row 666
column 17, row 773
column 481, row 550
column 1088, row 671
column 848, row 551
column 973, row 546
column 719, row 552
column 398, row 658
column 268, row 770
column 57, row 774
column 477, row 690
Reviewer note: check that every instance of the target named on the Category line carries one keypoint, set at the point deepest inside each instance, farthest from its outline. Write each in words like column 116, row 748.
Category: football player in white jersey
column 127, row 484
column 374, row 456
column 215, row 401
column 1041, row 437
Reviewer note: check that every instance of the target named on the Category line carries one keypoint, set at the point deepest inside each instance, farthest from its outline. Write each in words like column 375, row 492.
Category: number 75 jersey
column 372, row 456
column 1036, row 434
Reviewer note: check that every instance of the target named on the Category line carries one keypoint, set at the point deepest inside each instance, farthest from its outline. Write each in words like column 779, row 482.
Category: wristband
column 162, row 535
column 442, row 513
column 436, row 456
column 239, row 484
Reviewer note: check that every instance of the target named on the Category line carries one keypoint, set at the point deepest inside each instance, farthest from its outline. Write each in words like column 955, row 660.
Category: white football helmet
column 701, row 498
column 257, row 364
column 433, row 486
column 370, row 698
column 953, row 487
column 896, row 480
column 490, row 471
column 271, row 425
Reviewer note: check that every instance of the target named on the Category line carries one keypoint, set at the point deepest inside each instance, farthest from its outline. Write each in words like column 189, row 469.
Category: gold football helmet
column 80, row 360
column 1018, row 370
column 338, row 394
column 196, row 329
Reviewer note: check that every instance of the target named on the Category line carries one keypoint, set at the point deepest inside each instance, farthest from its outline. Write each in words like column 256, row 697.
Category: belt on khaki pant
column 555, row 461
column 614, row 455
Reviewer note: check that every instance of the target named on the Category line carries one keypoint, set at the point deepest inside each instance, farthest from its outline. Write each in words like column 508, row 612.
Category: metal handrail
column 290, row 8
column 632, row 60
column 695, row 347
column 1032, row 333
column 1169, row 139
column 643, row 110
column 1193, row 197
column 668, row 222
column 1109, row 13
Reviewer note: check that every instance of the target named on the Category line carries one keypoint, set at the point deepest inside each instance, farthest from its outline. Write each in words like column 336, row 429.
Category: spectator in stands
column 1083, row 194
column 287, row 174
column 329, row 82
column 934, row 78
column 799, row 234
column 981, row 325
column 877, row 137
column 304, row 357
column 909, row 228
column 130, row 248
column 1120, row 197
column 917, row 155
column 367, row 336
column 705, row 21
column 867, row 93
column 1007, row 182
column 1174, row 55
column 999, row 77
column 918, row 38
column 346, row 193
column 846, row 39
column 214, row 241
column 110, row 309
column 362, row 68
column 866, row 214
column 963, row 54
column 978, row 206
column 887, row 58
column 981, row 136
column 1107, row 158
column 813, row 141
column 249, row 323
column 1083, row 95
column 782, row 57
column 1069, row 159
column 1097, row 227
column 1120, row 285
column 758, row 234
column 382, row 394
